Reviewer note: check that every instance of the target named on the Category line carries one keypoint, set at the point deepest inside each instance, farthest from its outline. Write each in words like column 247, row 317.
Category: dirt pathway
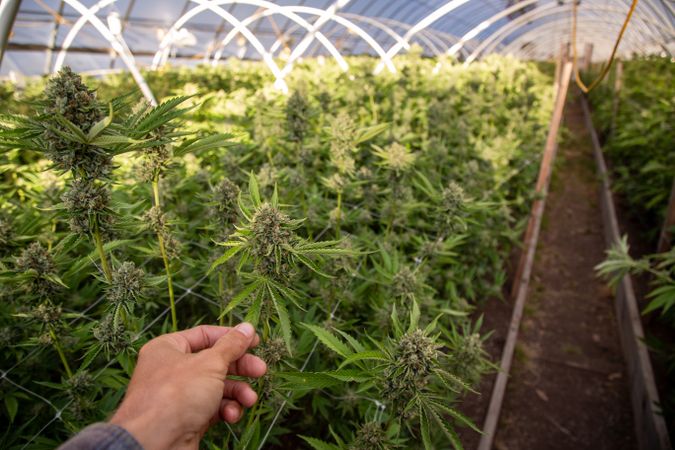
column 568, row 387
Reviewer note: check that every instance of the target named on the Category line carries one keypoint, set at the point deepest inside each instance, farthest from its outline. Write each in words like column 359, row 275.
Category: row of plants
column 636, row 123
column 357, row 222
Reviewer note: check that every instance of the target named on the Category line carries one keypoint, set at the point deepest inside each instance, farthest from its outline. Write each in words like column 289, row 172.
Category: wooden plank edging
column 522, row 278
column 650, row 427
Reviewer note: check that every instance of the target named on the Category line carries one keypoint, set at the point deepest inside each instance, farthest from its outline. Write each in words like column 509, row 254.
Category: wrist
column 149, row 428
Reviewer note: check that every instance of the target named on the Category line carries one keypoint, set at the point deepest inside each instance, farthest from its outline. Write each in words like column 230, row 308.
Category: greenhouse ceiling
column 99, row 36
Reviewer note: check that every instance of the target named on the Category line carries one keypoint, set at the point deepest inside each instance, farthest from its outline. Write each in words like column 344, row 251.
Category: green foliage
column 641, row 147
column 324, row 219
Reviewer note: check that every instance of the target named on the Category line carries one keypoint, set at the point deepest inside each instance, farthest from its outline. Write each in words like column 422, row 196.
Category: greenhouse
column 337, row 224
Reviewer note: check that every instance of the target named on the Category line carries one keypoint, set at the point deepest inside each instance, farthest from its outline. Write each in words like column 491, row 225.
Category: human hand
column 179, row 387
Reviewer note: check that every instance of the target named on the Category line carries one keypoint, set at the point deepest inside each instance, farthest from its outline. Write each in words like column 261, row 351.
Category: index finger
column 201, row 337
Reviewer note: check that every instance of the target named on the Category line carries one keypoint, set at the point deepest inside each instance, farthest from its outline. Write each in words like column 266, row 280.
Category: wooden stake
column 618, row 83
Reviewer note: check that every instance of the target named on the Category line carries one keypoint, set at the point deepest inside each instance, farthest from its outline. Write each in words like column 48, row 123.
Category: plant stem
column 59, row 350
column 167, row 267
column 101, row 253
column 221, row 321
column 338, row 214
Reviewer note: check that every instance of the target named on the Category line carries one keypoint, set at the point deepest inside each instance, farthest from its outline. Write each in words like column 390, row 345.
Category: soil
column 568, row 387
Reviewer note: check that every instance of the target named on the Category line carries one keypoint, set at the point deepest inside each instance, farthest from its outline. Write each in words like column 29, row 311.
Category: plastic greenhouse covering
column 115, row 34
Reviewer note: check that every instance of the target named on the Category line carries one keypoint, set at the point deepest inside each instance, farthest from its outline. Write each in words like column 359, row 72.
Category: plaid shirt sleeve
column 102, row 436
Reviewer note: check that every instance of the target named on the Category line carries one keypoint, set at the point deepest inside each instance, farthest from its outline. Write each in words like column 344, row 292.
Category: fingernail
column 246, row 329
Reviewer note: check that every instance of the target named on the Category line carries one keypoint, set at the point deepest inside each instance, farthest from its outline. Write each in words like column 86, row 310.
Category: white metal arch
column 312, row 11
column 214, row 6
column 431, row 40
column 313, row 32
column 377, row 24
column 558, row 30
column 422, row 24
column 289, row 13
column 631, row 38
column 544, row 47
column 89, row 15
column 488, row 45
column 486, row 24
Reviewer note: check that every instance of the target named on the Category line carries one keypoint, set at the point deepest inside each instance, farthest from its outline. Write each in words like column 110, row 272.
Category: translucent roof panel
column 91, row 35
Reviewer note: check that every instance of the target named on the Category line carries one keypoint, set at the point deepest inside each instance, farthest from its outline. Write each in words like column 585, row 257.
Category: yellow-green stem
column 59, row 350
column 50, row 243
column 101, row 253
column 165, row 258
column 338, row 214
column 221, row 320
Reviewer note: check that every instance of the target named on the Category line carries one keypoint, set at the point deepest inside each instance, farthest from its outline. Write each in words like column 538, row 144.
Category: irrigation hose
column 605, row 70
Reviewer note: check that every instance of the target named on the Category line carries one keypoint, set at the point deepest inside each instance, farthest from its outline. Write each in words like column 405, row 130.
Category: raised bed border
column 650, row 426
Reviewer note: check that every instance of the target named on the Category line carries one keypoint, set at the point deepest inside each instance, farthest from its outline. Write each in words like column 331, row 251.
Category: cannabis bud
column 404, row 283
column 414, row 358
column 112, row 336
column 155, row 219
column 80, row 383
column 272, row 351
column 225, row 196
column 370, row 436
column 47, row 313
column 155, row 159
column 270, row 231
column 467, row 360
column 453, row 199
column 85, row 199
column 6, row 233
column 417, row 353
column 396, row 157
column 297, row 114
column 37, row 258
column 67, row 96
column 343, row 135
column 127, row 285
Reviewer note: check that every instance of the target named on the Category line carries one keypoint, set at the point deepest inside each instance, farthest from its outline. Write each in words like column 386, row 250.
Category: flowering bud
column 127, row 284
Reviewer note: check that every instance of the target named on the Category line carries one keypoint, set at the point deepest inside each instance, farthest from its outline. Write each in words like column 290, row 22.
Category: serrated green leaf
column 318, row 444
column 329, row 340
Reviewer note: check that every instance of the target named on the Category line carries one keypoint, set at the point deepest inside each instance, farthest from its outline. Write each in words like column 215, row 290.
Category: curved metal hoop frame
column 651, row 27
column 490, row 43
column 89, row 15
column 349, row 25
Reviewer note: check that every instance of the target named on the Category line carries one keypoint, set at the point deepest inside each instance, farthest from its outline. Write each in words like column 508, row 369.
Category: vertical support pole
column 668, row 224
column 8, row 10
column 588, row 56
column 522, row 278
column 618, row 83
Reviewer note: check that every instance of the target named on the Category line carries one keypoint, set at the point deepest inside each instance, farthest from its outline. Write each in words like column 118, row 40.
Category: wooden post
column 522, row 279
column 650, row 427
column 618, row 83
column 588, row 55
column 669, row 222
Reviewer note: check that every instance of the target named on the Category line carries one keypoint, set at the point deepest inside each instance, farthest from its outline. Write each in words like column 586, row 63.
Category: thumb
column 235, row 343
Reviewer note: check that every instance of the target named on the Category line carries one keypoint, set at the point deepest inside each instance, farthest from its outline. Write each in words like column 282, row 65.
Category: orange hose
column 605, row 70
